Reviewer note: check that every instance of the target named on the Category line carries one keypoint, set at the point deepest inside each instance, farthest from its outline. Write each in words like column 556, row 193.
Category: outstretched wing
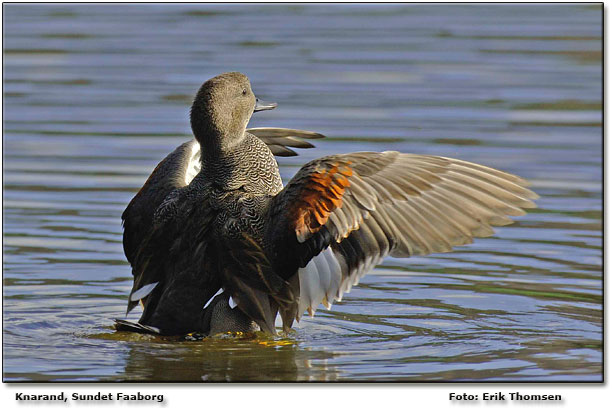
column 340, row 215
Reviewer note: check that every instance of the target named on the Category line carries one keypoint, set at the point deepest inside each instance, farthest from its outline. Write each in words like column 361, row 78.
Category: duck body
column 217, row 243
column 194, row 226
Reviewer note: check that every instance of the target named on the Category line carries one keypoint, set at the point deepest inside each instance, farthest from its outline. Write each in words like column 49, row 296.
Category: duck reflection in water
column 218, row 244
column 227, row 358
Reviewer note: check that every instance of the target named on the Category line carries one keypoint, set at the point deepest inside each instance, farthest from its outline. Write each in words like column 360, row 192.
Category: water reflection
column 249, row 358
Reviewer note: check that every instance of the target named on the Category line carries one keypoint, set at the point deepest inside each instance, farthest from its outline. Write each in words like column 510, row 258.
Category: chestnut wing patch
column 322, row 192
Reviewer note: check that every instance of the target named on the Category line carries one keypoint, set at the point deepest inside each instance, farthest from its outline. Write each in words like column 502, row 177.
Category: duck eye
column 244, row 92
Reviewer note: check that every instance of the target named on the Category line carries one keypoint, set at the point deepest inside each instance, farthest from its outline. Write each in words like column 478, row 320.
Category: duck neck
column 216, row 143
column 222, row 161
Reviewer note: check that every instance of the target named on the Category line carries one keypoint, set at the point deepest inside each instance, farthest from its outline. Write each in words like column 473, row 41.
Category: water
column 96, row 95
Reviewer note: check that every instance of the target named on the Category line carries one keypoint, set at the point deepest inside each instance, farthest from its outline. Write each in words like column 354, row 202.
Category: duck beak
column 261, row 105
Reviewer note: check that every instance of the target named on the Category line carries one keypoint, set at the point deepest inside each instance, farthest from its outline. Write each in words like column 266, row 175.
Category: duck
column 217, row 244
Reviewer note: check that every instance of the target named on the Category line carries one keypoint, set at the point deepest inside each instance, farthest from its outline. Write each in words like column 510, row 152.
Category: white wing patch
column 326, row 278
column 194, row 166
column 143, row 292
column 320, row 282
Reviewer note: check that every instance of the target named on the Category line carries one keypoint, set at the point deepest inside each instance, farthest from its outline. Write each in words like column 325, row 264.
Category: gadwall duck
column 218, row 244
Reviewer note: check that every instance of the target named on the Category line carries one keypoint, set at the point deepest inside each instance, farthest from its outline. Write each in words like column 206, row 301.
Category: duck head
column 222, row 109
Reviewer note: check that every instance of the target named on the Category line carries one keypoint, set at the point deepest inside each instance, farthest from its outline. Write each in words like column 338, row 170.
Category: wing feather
column 137, row 218
column 280, row 140
column 342, row 214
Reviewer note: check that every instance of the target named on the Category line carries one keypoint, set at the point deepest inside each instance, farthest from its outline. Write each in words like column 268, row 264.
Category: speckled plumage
column 238, row 185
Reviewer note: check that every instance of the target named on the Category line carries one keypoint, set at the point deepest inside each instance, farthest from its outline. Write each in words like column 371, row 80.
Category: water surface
column 96, row 95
